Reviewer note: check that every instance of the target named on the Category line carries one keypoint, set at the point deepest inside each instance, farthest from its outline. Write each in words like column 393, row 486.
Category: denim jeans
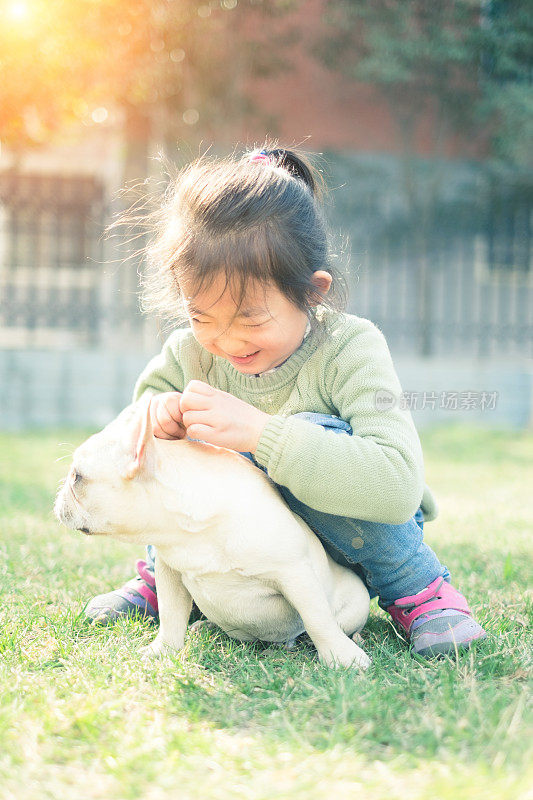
column 393, row 560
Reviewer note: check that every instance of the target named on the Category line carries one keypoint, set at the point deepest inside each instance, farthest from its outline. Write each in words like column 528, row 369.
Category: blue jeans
column 392, row 560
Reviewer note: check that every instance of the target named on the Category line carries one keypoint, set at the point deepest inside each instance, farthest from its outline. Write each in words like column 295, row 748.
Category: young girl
column 269, row 366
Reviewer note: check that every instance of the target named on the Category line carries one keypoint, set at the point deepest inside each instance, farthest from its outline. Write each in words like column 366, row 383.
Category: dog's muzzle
column 69, row 518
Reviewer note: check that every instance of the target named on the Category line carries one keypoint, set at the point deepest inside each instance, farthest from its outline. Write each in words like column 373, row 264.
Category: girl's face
column 259, row 335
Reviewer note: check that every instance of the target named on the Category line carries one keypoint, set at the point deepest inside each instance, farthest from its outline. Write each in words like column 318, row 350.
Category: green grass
column 81, row 716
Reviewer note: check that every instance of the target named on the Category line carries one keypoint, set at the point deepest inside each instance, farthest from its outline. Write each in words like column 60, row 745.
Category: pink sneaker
column 137, row 597
column 437, row 620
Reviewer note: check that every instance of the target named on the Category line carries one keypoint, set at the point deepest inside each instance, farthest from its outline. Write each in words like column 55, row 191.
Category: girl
column 269, row 366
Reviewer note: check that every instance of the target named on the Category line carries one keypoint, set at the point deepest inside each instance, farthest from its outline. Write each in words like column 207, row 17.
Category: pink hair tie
column 260, row 158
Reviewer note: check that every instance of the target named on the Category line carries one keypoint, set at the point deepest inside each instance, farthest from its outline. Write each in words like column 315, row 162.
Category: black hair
column 251, row 218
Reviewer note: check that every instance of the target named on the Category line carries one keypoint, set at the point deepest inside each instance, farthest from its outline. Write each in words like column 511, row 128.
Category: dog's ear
column 140, row 442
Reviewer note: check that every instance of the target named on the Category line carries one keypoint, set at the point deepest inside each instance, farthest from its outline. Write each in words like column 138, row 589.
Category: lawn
column 81, row 716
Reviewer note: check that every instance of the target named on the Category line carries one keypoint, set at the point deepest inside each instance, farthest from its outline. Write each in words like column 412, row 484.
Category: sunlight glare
column 18, row 10
column 99, row 115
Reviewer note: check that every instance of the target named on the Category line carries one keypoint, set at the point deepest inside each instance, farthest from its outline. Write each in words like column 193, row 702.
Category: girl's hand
column 166, row 417
column 220, row 418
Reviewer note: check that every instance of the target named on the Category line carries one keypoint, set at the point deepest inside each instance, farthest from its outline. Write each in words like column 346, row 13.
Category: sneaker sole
column 447, row 648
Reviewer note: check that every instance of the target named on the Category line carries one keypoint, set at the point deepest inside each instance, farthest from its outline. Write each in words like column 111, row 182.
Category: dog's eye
column 77, row 477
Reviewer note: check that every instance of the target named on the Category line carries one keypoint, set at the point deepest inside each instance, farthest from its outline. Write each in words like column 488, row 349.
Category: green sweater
column 377, row 474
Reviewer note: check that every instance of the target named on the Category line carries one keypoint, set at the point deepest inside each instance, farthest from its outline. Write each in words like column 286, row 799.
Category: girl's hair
column 254, row 218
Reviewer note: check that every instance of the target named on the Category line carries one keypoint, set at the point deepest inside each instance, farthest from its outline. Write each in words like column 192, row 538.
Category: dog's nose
column 84, row 530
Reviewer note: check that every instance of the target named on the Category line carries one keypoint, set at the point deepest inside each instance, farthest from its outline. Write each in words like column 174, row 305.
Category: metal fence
column 62, row 285
column 453, row 276
column 450, row 273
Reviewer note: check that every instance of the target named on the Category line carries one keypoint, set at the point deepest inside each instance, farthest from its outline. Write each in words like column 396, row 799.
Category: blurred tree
column 466, row 67
column 466, row 64
column 505, row 101
column 164, row 63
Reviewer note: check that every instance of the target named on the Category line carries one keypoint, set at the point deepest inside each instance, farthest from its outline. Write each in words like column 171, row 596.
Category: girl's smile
column 243, row 359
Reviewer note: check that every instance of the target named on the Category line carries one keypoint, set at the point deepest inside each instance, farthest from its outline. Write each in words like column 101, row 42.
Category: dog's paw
column 156, row 649
column 150, row 652
column 202, row 624
column 346, row 655
column 363, row 661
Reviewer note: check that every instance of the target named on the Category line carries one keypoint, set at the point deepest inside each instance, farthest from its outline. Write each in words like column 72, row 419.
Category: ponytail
column 295, row 163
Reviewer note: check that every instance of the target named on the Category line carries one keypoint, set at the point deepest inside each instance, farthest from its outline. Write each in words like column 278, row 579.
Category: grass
column 82, row 717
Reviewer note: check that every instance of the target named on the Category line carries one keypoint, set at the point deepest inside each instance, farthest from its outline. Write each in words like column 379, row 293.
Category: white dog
column 224, row 537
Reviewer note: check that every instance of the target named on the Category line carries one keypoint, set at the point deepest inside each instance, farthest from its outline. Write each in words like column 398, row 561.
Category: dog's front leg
column 175, row 605
column 305, row 593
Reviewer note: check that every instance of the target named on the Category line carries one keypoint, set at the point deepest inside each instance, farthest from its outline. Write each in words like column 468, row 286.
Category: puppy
column 224, row 537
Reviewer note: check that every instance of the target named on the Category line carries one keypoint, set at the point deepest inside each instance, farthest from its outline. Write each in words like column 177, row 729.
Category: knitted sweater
column 376, row 474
